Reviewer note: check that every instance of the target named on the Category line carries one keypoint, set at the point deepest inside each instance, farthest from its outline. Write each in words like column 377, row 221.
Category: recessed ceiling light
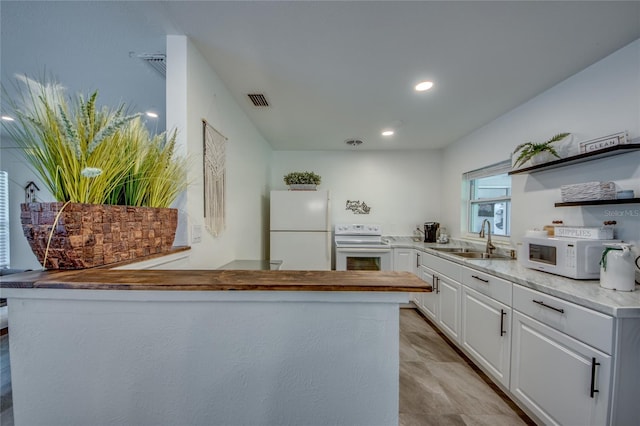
column 151, row 114
column 387, row 133
column 424, row 85
column 7, row 118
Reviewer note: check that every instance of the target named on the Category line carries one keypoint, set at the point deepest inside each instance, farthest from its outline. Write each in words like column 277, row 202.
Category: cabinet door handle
column 541, row 303
column 436, row 285
column 479, row 279
column 417, row 260
column 502, row 315
column 593, row 390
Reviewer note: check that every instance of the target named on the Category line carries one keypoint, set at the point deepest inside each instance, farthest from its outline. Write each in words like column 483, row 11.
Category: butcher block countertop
column 218, row 280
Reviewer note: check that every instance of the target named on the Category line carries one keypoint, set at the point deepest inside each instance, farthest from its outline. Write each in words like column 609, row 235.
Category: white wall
column 600, row 100
column 12, row 161
column 401, row 187
column 194, row 92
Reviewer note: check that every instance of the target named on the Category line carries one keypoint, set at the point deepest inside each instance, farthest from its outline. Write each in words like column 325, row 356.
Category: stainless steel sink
column 481, row 255
column 471, row 253
column 452, row 249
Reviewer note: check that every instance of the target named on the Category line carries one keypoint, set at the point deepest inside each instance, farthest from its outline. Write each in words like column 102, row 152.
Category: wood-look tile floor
column 438, row 386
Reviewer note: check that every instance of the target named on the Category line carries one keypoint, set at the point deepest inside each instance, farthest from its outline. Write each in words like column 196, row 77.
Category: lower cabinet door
column 560, row 379
column 416, row 298
column 428, row 301
column 486, row 333
column 449, row 307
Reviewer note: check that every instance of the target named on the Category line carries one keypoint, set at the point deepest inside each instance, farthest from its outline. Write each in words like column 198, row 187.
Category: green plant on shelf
column 526, row 151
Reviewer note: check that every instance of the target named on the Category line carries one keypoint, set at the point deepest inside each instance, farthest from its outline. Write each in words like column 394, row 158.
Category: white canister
column 617, row 268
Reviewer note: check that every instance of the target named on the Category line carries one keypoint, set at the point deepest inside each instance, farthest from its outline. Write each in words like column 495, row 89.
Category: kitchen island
column 151, row 347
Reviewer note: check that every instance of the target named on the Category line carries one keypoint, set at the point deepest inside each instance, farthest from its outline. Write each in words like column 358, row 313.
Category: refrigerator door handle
column 328, row 215
column 329, row 239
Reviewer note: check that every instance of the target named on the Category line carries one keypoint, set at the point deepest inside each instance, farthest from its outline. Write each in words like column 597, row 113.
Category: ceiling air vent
column 157, row 61
column 353, row 142
column 258, row 99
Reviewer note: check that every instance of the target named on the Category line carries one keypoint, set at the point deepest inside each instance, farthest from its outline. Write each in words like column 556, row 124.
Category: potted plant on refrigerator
column 305, row 181
column 112, row 180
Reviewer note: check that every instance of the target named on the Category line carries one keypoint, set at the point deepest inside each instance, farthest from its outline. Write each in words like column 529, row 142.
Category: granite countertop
column 218, row 280
column 587, row 293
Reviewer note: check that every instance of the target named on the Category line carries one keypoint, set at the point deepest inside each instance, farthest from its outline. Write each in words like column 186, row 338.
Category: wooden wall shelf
column 580, row 158
column 599, row 202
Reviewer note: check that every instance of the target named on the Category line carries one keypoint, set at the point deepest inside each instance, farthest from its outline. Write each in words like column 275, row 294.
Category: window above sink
column 487, row 192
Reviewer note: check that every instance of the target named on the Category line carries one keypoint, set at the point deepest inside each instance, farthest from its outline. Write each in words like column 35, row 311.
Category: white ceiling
column 340, row 70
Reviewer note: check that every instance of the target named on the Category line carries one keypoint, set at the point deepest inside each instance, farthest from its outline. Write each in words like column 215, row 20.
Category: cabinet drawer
column 487, row 284
column 441, row 266
column 584, row 324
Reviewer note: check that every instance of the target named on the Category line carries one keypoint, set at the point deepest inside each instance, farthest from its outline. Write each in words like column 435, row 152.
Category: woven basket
column 88, row 235
column 589, row 191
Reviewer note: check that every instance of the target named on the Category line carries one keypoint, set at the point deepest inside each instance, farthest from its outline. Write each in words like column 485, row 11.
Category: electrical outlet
column 196, row 234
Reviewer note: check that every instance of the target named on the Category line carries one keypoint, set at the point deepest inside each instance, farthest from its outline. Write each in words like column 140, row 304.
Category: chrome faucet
column 490, row 246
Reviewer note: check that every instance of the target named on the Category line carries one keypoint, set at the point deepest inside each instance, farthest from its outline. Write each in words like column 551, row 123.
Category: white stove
column 360, row 247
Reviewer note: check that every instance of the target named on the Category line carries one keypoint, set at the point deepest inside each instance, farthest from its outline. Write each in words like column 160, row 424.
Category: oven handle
column 362, row 250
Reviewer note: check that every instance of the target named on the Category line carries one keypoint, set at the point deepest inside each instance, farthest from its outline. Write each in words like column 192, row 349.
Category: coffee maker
column 431, row 232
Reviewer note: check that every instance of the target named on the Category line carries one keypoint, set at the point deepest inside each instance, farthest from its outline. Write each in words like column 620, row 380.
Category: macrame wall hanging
column 214, row 178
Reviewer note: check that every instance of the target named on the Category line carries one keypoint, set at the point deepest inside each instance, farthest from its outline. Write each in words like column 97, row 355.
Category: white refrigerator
column 300, row 231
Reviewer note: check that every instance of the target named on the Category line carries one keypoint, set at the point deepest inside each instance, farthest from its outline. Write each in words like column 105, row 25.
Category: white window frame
column 468, row 203
column 4, row 220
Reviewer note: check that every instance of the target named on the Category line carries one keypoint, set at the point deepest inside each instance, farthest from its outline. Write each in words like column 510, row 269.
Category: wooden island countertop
column 218, row 280
column 261, row 347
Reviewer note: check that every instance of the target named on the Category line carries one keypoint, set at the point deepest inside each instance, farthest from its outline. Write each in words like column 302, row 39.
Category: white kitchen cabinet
column 441, row 266
column 486, row 322
column 564, row 363
column 442, row 305
column 449, row 295
column 404, row 259
column 561, row 379
column 486, row 333
column 428, row 302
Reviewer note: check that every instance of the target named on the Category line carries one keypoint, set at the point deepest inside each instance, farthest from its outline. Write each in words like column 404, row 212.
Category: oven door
column 363, row 259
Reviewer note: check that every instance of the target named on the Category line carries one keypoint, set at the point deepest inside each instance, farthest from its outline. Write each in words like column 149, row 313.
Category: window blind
column 4, row 220
column 492, row 170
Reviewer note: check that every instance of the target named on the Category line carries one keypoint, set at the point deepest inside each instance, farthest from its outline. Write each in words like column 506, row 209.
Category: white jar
column 617, row 267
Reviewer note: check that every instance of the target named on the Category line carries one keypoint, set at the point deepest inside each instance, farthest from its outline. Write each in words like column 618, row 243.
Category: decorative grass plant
column 89, row 154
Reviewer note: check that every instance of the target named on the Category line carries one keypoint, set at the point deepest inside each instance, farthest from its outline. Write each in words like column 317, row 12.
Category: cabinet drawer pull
column 593, row 390
column 479, row 279
column 541, row 303
column 502, row 315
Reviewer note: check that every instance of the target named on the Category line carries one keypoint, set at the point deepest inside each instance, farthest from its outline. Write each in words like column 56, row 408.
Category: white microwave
column 570, row 257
